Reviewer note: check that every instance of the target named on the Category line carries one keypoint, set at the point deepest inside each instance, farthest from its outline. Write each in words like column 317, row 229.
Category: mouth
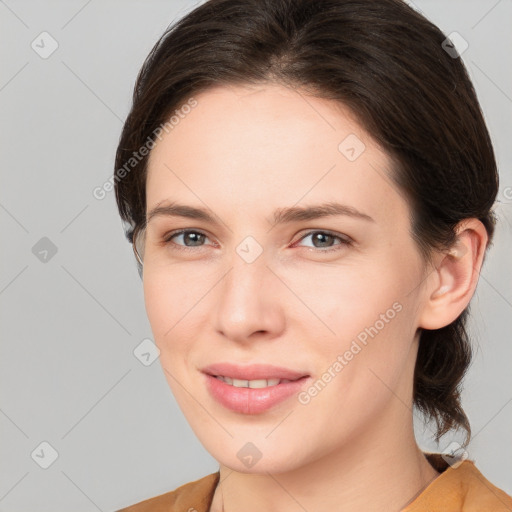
column 254, row 384
column 254, row 375
column 253, row 389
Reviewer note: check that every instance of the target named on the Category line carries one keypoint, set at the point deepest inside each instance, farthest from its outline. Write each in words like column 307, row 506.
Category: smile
column 253, row 384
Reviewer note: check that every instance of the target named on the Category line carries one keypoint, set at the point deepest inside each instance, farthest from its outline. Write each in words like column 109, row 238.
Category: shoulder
column 480, row 494
column 460, row 487
column 193, row 496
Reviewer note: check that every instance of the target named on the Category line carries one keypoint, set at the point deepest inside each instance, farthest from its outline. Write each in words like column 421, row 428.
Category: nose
column 249, row 304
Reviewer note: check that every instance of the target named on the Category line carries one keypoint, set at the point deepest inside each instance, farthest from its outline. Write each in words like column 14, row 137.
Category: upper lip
column 252, row 372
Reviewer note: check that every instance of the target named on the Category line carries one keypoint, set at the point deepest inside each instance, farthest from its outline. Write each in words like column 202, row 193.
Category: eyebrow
column 280, row 216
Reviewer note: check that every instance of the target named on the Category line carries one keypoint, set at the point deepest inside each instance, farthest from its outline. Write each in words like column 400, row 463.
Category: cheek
column 157, row 300
column 346, row 299
column 166, row 310
column 367, row 318
column 169, row 295
column 166, row 300
column 366, row 368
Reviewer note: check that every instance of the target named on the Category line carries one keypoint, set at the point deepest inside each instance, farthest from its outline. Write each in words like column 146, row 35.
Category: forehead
column 242, row 144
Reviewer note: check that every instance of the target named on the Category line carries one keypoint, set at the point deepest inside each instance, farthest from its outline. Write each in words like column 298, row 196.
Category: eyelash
column 344, row 241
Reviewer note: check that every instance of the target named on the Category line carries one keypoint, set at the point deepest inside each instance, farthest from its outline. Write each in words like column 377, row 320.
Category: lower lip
column 252, row 400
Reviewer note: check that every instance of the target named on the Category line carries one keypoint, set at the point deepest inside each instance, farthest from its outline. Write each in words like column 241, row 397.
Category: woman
column 308, row 187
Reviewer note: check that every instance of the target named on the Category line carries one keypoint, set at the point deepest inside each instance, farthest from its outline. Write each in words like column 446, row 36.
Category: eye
column 194, row 239
column 324, row 238
column 193, row 236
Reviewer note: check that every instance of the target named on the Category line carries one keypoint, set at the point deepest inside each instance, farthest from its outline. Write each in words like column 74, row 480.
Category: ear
column 452, row 282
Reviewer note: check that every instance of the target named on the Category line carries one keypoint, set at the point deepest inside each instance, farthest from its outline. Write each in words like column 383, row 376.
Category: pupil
column 194, row 235
column 319, row 236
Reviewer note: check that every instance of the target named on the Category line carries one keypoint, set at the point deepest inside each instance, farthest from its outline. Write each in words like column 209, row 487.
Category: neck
column 380, row 470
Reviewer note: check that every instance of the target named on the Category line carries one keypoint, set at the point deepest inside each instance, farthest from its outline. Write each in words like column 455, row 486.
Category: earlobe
column 454, row 279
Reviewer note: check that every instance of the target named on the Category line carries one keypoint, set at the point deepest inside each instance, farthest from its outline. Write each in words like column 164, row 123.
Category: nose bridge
column 242, row 286
column 246, row 301
column 248, row 262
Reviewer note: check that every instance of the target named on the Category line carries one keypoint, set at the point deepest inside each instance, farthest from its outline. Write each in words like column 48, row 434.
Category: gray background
column 70, row 324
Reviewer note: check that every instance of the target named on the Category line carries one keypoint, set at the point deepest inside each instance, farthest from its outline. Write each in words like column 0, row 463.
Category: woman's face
column 246, row 290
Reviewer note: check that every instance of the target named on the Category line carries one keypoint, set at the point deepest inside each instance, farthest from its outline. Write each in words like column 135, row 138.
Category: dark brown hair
column 388, row 64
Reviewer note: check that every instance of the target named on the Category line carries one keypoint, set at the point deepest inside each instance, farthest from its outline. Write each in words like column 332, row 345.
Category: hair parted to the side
column 384, row 61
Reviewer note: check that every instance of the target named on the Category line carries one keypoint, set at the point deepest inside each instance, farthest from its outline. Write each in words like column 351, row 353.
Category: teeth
column 263, row 383
column 253, row 384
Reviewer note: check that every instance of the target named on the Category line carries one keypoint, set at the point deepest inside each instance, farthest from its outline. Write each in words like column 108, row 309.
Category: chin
column 260, row 468
column 256, row 457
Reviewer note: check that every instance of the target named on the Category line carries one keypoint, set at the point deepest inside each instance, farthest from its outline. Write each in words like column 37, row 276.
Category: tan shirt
column 460, row 488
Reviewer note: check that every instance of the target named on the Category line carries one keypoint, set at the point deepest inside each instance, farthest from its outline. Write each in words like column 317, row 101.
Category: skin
column 243, row 152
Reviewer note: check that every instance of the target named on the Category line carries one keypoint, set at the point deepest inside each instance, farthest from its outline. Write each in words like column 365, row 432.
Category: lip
column 252, row 400
column 253, row 371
